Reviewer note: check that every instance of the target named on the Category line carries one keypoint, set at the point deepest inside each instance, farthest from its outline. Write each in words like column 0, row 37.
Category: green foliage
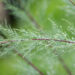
column 40, row 19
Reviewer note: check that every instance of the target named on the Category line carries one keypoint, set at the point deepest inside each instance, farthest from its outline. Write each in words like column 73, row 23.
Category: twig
column 72, row 42
column 65, row 41
column 63, row 63
column 28, row 62
column 72, row 2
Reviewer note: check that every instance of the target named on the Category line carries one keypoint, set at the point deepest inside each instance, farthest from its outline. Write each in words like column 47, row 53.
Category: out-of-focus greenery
column 56, row 20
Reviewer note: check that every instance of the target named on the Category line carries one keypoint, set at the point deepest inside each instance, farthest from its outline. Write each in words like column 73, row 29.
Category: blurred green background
column 55, row 18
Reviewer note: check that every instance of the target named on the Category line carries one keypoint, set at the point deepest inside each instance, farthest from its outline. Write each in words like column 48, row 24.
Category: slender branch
column 63, row 63
column 72, row 2
column 28, row 62
column 65, row 41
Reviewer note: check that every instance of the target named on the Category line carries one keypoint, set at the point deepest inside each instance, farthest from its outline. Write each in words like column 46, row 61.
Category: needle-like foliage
column 43, row 42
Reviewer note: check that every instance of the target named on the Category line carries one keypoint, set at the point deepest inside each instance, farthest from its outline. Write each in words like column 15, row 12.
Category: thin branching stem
column 28, row 62
column 56, row 40
column 63, row 63
column 65, row 41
